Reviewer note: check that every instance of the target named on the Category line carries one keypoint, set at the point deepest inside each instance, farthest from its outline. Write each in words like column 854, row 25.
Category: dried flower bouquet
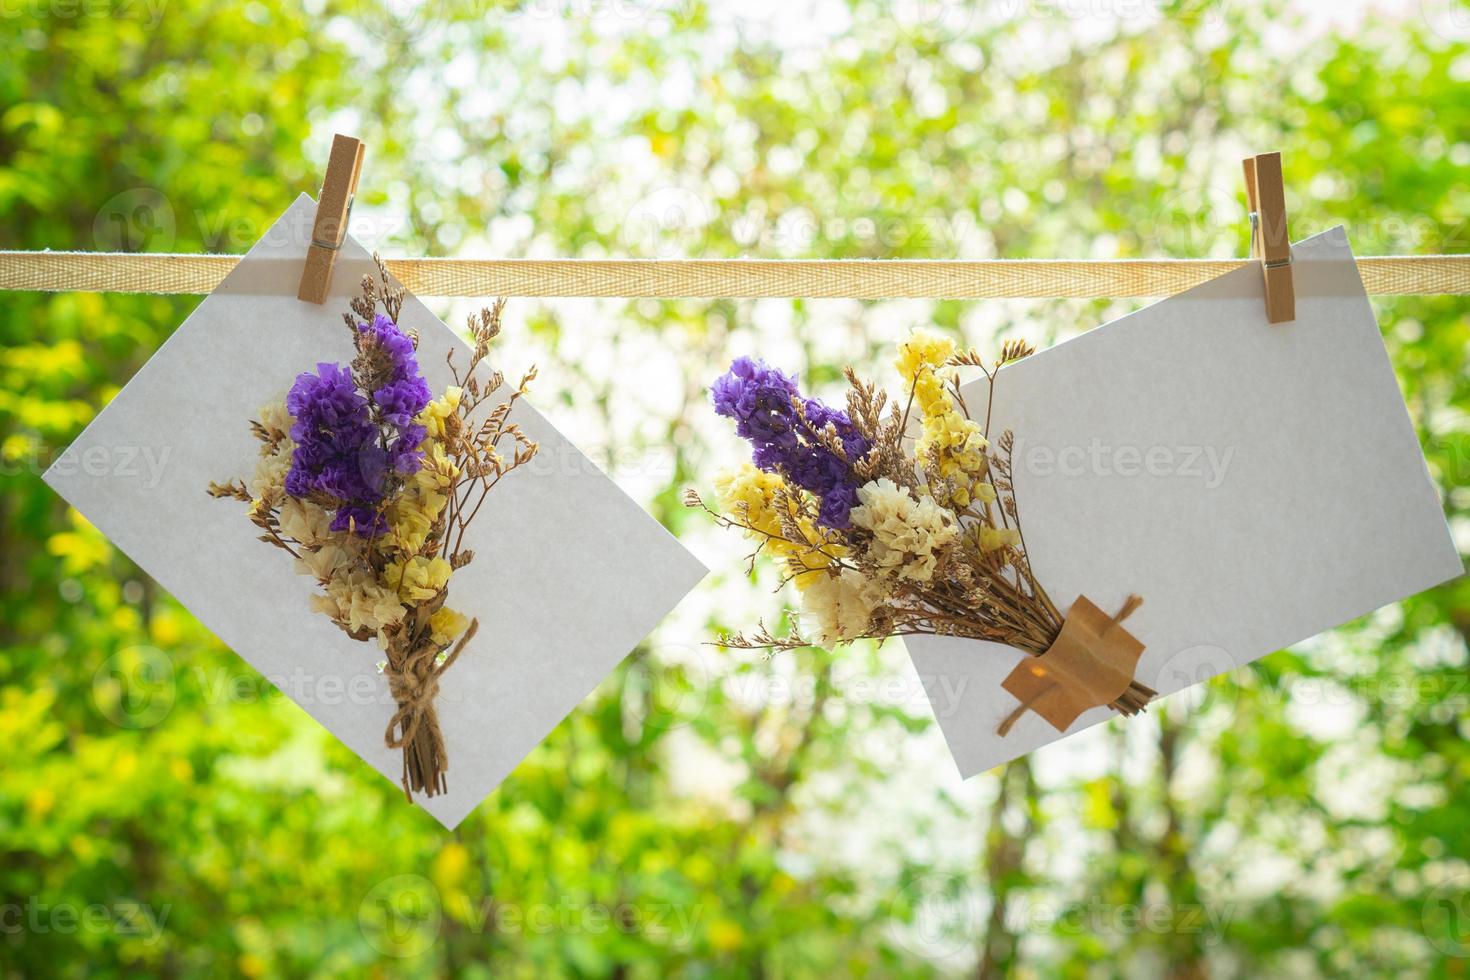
column 888, row 535
column 369, row 482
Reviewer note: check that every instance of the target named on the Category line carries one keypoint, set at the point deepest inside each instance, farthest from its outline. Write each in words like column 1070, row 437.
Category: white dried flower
column 304, row 521
column 841, row 606
column 908, row 534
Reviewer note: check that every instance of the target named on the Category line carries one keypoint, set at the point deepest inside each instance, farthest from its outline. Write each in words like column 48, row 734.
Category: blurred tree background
column 164, row 811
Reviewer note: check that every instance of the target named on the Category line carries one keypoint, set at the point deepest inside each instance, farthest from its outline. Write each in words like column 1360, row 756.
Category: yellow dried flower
column 447, row 625
column 411, row 517
column 748, row 494
column 993, row 539
column 957, row 442
column 433, row 416
column 417, row 578
column 922, row 352
column 258, row 509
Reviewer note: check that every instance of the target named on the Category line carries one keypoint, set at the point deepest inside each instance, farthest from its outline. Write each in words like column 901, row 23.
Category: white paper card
column 1256, row 484
column 569, row 572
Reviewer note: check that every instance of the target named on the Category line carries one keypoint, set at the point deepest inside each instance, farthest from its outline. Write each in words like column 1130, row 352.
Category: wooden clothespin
column 1269, row 239
column 333, row 210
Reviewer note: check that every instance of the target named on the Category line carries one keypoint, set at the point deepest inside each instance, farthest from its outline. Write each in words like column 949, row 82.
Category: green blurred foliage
column 164, row 811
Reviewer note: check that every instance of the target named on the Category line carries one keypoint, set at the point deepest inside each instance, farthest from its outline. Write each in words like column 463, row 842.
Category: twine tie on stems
column 414, row 683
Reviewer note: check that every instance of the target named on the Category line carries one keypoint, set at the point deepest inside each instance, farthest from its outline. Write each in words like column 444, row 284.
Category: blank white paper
column 1255, row 483
column 569, row 573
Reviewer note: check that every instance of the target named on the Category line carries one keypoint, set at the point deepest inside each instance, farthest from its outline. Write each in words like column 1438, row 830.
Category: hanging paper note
column 1256, row 484
column 568, row 573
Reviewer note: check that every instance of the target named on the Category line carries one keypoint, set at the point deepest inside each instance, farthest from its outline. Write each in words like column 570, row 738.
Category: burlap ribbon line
column 414, row 683
column 145, row 272
column 1091, row 663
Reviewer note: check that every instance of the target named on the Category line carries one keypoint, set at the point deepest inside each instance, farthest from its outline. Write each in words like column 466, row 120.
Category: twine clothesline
column 163, row 273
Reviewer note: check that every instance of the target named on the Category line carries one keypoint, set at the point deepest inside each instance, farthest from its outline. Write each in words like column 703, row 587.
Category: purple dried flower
column 384, row 336
column 348, row 442
column 365, row 520
column 761, row 400
column 325, row 399
column 399, row 391
column 836, row 509
column 401, row 401
column 404, row 455
column 337, row 451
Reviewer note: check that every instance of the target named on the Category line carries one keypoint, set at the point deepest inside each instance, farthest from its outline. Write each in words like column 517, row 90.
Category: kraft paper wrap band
column 1090, row 663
